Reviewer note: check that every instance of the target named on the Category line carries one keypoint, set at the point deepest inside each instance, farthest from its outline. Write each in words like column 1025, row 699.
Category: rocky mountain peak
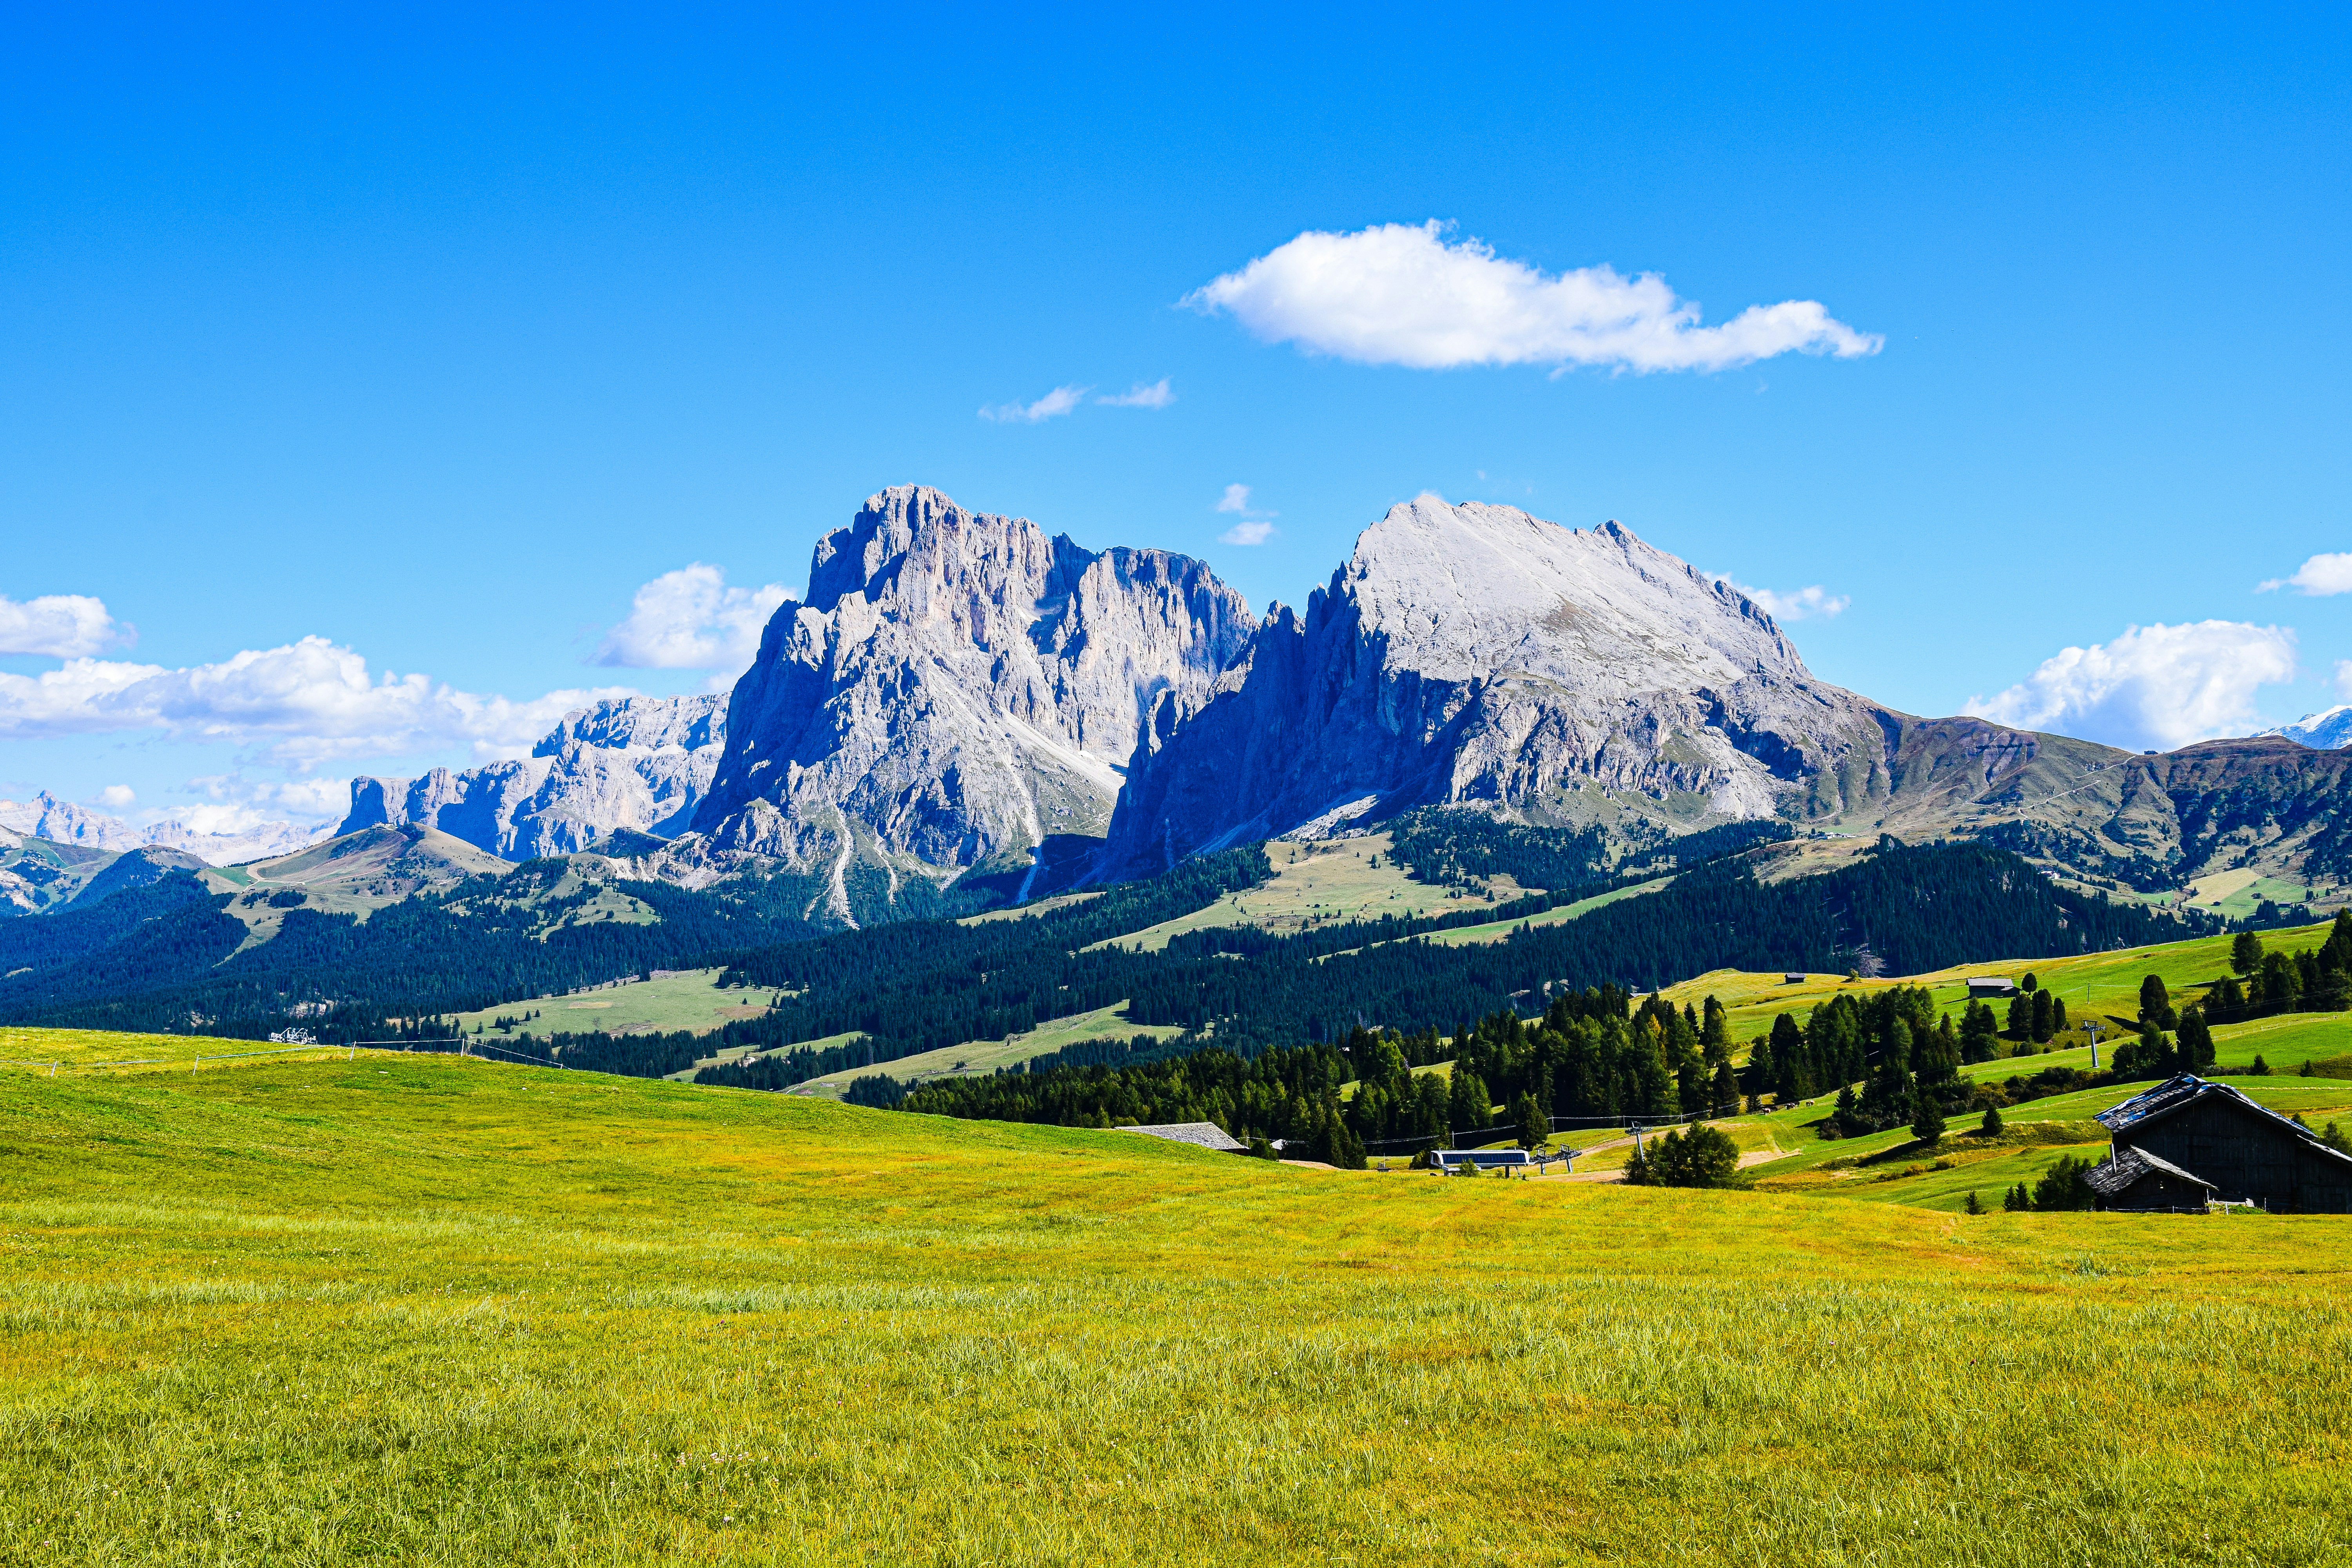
column 958, row 688
column 1470, row 588
column 638, row 764
column 1474, row 653
column 640, row 723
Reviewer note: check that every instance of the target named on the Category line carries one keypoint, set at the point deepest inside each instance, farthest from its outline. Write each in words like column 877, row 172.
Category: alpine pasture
column 369, row 1307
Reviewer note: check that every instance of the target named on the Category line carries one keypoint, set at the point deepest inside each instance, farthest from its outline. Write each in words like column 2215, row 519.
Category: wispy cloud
column 1060, row 401
column 2318, row 578
column 61, row 626
column 1399, row 294
column 1809, row 604
column 1254, row 527
column 1155, row 395
column 690, row 620
column 2155, row 686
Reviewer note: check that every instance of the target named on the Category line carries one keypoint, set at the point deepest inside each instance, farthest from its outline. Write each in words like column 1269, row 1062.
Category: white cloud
column 1813, row 603
column 2344, row 678
column 2318, row 578
column 299, row 705
column 2157, row 686
column 1139, row 396
column 1253, row 528
column 1061, row 400
column 690, row 620
column 118, row 797
column 59, row 625
column 235, row 804
column 1399, row 294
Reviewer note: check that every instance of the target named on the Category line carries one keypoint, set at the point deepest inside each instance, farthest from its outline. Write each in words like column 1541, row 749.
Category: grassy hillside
column 422, row 1310
column 1325, row 883
column 693, row 1001
column 2093, row 985
column 987, row 1056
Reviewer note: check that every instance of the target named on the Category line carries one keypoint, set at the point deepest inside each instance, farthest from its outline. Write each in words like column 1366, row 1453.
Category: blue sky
column 437, row 337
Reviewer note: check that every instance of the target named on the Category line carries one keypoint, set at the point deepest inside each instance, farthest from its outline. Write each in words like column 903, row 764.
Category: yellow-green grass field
column 691, row 1001
column 2237, row 894
column 418, row 1309
column 984, row 1056
column 2093, row 985
column 1500, row 931
column 1327, row 883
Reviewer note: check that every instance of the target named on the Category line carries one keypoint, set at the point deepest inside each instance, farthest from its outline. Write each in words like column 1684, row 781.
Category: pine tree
column 1725, row 1091
column 1535, row 1126
column 2154, row 1005
column 2044, row 1016
column 1714, row 1035
column 1973, row 1207
column 1927, row 1119
column 2246, row 953
column 2196, row 1041
column 1990, row 1126
column 1468, row 1109
column 1979, row 1030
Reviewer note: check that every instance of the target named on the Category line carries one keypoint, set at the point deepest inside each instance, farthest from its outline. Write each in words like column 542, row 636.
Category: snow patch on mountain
column 2325, row 730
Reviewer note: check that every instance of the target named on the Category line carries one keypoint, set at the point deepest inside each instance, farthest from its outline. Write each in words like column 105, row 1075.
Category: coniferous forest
column 166, row 957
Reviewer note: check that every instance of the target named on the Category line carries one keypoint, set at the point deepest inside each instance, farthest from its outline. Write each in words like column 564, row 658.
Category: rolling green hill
column 404, row 1308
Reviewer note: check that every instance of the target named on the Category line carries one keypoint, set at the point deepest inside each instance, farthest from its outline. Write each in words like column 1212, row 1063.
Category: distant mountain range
column 965, row 711
column 61, row 822
column 2325, row 730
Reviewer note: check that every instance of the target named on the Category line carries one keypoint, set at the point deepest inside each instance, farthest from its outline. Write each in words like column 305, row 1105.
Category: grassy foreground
column 421, row 1310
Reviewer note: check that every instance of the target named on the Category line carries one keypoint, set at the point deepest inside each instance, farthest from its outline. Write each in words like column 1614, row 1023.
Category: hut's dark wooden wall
column 2247, row 1154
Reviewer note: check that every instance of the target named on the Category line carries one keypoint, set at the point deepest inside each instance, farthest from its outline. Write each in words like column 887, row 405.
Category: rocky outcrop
column 959, row 691
column 1475, row 654
column 62, row 821
column 638, row 764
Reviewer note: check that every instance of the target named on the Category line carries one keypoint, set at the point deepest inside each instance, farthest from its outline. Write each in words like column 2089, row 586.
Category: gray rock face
column 639, row 763
column 959, row 689
column 62, row 821
column 1476, row 654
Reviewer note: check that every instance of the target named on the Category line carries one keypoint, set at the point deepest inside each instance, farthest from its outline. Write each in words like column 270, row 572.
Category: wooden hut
column 2133, row 1181
column 2246, row 1153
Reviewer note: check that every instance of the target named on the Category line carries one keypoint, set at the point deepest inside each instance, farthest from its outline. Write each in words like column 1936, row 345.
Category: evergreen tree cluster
column 1701, row 1157
column 2065, row 1186
column 1282, row 1093
column 2268, row 983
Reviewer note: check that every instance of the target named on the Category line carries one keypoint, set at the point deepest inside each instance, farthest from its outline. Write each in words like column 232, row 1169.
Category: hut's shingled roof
column 2129, row 1165
column 2177, row 1094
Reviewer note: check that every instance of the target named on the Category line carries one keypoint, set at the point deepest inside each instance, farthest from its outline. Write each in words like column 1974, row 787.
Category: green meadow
column 2097, row 985
column 690, row 1000
column 393, row 1309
